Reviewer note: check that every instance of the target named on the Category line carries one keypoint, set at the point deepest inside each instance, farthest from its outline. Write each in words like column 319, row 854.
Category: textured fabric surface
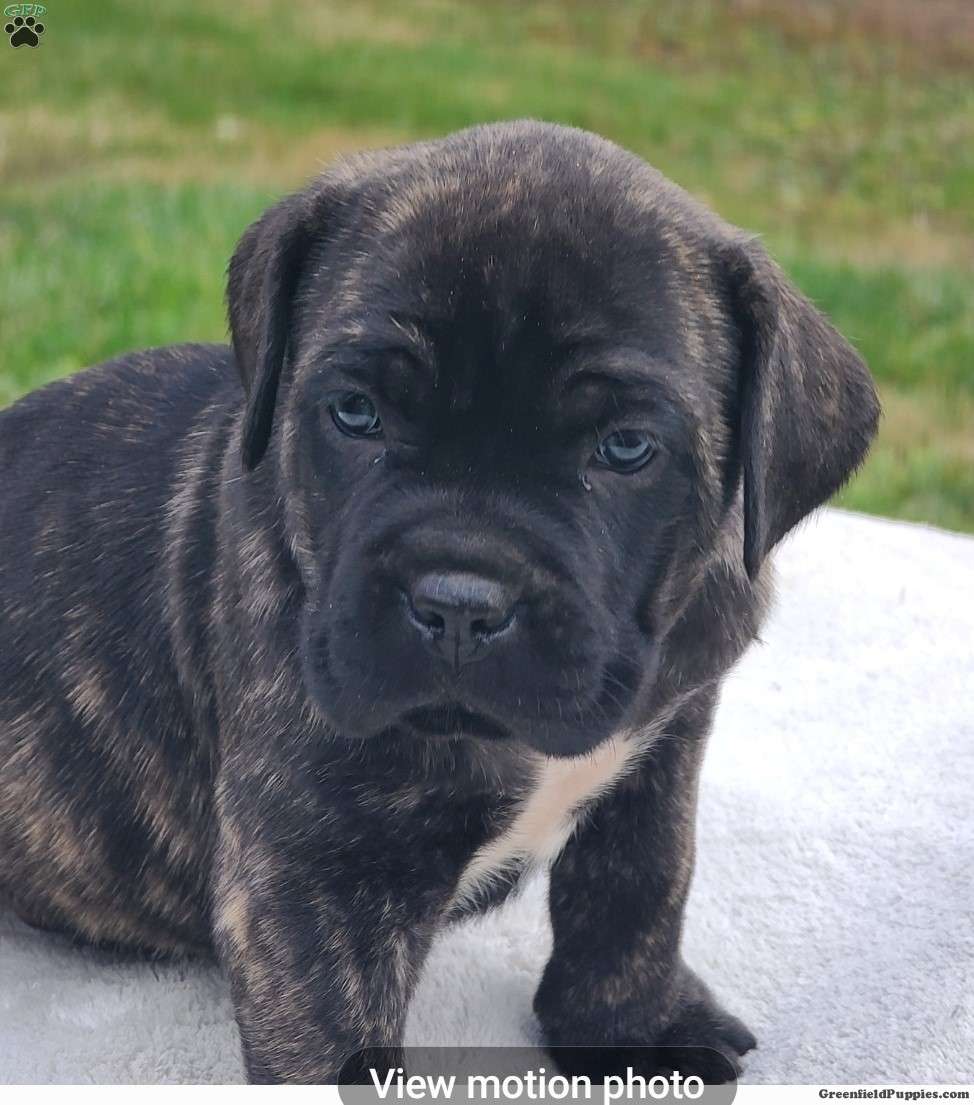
column 833, row 905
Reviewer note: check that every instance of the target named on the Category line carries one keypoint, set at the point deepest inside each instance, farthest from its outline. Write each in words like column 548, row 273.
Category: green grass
column 140, row 139
column 92, row 272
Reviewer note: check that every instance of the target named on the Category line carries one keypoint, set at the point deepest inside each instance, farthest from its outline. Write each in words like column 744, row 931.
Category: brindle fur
column 186, row 763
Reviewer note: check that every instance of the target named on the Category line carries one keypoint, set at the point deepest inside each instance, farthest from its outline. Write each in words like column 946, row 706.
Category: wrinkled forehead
column 515, row 268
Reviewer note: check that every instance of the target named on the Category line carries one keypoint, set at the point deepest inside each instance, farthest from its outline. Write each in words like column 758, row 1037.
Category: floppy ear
column 808, row 407
column 262, row 278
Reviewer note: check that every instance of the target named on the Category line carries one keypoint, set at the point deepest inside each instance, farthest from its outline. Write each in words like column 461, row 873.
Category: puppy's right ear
column 262, row 278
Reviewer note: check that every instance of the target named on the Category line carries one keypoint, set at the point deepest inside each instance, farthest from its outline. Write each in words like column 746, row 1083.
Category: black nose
column 460, row 615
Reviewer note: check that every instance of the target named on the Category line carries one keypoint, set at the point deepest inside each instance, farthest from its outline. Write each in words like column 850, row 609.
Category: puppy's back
column 103, row 803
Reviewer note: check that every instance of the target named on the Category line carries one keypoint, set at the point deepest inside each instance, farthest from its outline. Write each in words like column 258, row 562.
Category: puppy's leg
column 617, row 896
column 321, row 963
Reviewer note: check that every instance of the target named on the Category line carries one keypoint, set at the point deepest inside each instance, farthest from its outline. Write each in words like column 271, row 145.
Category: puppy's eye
column 625, row 450
column 355, row 414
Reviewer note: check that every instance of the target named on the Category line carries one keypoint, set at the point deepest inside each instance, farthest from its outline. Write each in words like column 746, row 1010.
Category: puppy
column 299, row 671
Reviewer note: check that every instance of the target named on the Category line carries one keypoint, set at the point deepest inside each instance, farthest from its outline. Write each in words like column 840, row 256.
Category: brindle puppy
column 302, row 670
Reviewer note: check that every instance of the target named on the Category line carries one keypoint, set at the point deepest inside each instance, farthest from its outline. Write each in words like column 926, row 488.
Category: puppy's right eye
column 355, row 415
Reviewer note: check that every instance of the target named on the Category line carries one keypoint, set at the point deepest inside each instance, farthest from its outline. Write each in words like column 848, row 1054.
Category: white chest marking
column 545, row 821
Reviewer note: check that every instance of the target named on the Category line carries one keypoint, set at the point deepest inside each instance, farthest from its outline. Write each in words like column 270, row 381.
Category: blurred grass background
column 140, row 138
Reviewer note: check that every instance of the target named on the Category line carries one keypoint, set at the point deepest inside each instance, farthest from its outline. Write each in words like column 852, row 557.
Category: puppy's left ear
column 262, row 279
column 808, row 406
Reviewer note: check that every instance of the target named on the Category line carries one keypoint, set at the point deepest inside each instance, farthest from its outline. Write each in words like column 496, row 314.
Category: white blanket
column 833, row 905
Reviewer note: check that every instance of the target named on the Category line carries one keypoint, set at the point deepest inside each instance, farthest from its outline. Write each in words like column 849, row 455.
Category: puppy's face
column 499, row 464
column 511, row 435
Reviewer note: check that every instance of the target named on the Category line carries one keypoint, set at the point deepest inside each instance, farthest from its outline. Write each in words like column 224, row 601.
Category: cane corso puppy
column 317, row 642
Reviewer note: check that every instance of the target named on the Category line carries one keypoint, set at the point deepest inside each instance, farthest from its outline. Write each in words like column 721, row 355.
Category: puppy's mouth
column 451, row 719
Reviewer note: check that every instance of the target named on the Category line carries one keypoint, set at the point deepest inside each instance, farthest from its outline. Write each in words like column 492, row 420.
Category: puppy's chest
column 544, row 819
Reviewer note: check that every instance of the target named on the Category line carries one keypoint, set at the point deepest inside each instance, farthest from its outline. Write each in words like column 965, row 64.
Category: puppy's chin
column 452, row 720
column 445, row 713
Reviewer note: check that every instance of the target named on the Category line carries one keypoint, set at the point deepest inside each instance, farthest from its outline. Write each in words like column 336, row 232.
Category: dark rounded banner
column 472, row 1075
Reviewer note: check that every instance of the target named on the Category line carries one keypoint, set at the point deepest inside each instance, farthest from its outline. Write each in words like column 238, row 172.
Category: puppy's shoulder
column 194, row 369
column 139, row 395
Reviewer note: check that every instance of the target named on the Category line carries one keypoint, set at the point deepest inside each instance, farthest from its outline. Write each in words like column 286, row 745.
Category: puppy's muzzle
column 460, row 616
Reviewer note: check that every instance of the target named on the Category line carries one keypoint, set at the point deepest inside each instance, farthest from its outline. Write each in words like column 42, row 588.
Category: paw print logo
column 24, row 32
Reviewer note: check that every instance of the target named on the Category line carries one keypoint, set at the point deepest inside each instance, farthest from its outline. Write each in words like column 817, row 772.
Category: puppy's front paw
column 699, row 1038
column 705, row 1040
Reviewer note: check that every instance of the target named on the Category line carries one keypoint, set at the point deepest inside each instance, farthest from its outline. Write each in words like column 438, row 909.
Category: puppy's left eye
column 355, row 414
column 625, row 450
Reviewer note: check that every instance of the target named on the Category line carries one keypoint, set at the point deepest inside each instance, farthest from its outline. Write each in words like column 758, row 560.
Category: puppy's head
column 512, row 386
